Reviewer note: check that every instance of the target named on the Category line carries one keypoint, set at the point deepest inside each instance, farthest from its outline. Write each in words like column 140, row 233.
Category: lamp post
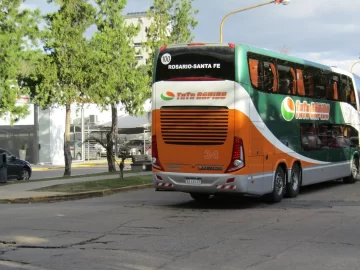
column 357, row 62
column 284, row 2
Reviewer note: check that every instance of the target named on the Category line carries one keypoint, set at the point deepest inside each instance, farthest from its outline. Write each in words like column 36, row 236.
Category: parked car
column 90, row 151
column 135, row 147
column 17, row 169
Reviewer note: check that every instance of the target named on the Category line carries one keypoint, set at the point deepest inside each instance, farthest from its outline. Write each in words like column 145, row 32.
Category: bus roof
column 285, row 57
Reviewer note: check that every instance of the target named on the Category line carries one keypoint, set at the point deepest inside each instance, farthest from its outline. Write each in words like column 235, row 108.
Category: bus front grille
column 194, row 126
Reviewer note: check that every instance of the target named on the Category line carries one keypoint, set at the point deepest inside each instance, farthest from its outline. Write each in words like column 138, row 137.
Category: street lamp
column 357, row 62
column 284, row 2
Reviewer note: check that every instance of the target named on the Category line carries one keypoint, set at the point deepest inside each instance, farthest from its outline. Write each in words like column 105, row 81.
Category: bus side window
column 300, row 82
column 320, row 84
column 335, row 86
column 351, row 97
column 344, row 89
column 270, row 77
column 309, row 82
column 329, row 88
column 254, row 72
column 287, row 81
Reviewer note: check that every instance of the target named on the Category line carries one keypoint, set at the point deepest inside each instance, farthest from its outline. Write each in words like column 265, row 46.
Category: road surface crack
column 332, row 243
column 7, row 242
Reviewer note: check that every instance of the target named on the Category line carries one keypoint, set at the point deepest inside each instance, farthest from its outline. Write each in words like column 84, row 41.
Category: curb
column 86, row 165
column 73, row 196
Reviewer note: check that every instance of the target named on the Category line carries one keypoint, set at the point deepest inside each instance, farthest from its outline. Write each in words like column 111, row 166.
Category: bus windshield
column 357, row 82
column 196, row 63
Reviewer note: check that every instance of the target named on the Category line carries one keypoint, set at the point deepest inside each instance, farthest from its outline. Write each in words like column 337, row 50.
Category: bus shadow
column 238, row 202
column 325, row 186
column 223, row 202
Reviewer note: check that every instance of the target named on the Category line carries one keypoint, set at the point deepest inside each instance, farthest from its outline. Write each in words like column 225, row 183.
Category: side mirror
column 13, row 158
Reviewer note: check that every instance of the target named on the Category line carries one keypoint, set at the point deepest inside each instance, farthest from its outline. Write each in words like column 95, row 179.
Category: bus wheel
column 354, row 172
column 200, row 197
column 293, row 186
column 279, row 187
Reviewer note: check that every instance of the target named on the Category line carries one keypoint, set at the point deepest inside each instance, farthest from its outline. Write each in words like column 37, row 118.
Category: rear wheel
column 354, row 172
column 279, row 187
column 293, row 186
column 200, row 197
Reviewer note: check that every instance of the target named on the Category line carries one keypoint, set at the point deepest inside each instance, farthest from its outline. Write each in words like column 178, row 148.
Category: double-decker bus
column 232, row 118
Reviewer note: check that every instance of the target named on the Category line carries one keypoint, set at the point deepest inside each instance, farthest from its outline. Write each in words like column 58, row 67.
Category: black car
column 16, row 168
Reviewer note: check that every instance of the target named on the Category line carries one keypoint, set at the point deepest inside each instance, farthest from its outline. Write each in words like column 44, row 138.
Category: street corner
column 71, row 196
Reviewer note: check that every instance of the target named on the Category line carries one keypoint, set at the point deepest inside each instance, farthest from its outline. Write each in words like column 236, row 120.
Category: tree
column 173, row 22
column 116, row 77
column 18, row 32
column 62, row 77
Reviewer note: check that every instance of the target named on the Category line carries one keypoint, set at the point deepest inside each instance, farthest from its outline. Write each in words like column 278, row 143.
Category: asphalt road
column 146, row 230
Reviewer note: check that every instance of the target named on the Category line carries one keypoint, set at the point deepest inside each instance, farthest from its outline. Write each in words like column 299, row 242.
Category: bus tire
column 278, row 188
column 200, row 197
column 293, row 185
column 354, row 172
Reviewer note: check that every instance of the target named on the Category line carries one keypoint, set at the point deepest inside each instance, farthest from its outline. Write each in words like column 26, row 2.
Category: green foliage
column 18, row 34
column 173, row 22
column 61, row 74
column 116, row 78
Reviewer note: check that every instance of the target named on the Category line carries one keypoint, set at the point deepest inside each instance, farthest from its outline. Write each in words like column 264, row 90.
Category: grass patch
column 98, row 185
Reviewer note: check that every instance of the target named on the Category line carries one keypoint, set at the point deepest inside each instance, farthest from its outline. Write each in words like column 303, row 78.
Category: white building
column 142, row 19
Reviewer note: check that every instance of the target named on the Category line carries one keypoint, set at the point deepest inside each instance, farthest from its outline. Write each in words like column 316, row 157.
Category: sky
column 324, row 31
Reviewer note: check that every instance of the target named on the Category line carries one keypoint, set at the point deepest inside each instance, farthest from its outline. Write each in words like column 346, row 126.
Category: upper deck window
column 196, row 63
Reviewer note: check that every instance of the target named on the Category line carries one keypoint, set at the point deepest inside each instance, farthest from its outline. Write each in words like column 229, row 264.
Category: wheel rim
column 25, row 175
column 354, row 168
column 294, row 180
column 279, row 184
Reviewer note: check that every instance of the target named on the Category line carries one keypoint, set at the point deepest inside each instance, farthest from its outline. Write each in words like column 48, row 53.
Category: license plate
column 193, row 181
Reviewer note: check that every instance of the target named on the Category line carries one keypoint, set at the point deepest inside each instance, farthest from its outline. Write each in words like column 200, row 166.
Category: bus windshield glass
column 357, row 82
column 196, row 63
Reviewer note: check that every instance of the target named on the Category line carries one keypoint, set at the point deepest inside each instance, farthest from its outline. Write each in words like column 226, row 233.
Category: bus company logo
column 288, row 108
column 166, row 59
column 304, row 110
column 167, row 96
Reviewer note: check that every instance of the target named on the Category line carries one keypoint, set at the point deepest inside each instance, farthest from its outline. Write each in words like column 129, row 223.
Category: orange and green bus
column 232, row 118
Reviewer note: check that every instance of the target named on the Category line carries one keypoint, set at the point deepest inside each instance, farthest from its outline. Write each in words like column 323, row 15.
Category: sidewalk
column 17, row 191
